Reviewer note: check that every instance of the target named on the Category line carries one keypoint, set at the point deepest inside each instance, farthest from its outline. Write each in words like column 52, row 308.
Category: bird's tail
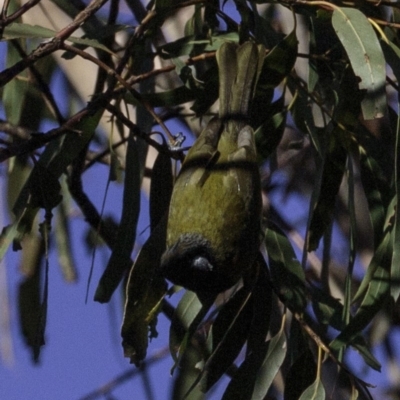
column 239, row 69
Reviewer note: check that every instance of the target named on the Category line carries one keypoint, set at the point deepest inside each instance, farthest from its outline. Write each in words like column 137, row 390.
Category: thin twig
column 4, row 20
column 48, row 47
column 125, row 376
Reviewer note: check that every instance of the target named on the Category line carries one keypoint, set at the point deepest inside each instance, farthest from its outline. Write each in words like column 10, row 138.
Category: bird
column 214, row 218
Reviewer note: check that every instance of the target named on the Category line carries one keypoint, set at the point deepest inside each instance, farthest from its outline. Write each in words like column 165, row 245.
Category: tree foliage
column 327, row 130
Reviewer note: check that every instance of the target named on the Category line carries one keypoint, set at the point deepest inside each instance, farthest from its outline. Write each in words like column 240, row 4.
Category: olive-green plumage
column 213, row 232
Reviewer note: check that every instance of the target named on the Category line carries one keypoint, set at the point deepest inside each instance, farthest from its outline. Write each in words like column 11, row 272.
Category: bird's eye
column 202, row 264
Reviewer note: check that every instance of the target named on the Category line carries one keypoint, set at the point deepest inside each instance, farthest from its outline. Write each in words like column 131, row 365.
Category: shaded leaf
column 286, row 272
column 366, row 57
column 314, row 392
column 332, row 176
column 228, row 335
column 30, row 308
column 272, row 363
column 377, row 291
column 160, row 188
column 185, row 46
column 120, row 260
column 279, row 62
column 300, row 375
column 63, row 241
column 15, row 92
column 187, row 374
column 243, row 381
column 21, row 30
column 392, row 55
column 41, row 189
column 185, row 314
column 167, row 98
column 262, row 302
column 376, row 191
column 145, row 291
column 269, row 135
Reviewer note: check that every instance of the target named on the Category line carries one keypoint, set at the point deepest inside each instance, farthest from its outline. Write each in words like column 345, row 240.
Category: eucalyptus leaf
column 228, row 335
column 21, row 30
column 120, row 260
column 286, row 272
column 145, row 291
column 314, row 392
column 365, row 54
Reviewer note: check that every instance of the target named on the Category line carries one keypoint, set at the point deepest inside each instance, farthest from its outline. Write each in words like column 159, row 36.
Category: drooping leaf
column 300, row 375
column 329, row 312
column 185, row 45
column 269, row 134
column 243, row 381
column 187, row 375
column 273, row 361
column 160, row 188
column 167, row 98
column 322, row 214
column 63, row 239
column 15, row 91
column 145, row 291
column 120, row 260
column 262, row 294
column 374, row 295
column 21, row 30
column 365, row 54
column 286, row 272
column 376, row 191
column 30, row 310
column 392, row 55
column 314, row 392
column 279, row 62
column 185, row 314
column 42, row 189
column 228, row 335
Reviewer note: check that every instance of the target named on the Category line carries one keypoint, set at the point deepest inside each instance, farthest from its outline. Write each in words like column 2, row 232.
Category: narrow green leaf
column 184, row 46
column 375, row 295
column 167, row 98
column 300, row 375
column 329, row 312
column 392, row 55
column 379, row 258
column 42, row 188
column 269, row 135
column 120, row 260
column 21, row 30
column 185, row 313
column 262, row 307
column 144, row 294
column 286, row 272
column 228, row 335
column 365, row 54
column 30, row 310
column 332, row 176
column 160, row 188
column 314, row 392
column 63, row 242
column 303, row 117
column 376, row 189
column 187, row 375
column 272, row 363
column 242, row 383
column 14, row 92
column 279, row 62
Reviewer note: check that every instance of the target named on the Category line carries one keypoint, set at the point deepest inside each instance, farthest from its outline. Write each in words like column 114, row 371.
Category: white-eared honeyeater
column 213, row 232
